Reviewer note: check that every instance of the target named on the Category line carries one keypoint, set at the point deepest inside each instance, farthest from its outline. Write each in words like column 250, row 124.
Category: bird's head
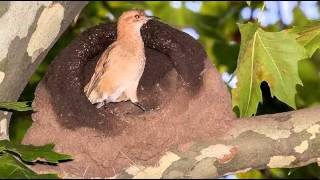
column 133, row 19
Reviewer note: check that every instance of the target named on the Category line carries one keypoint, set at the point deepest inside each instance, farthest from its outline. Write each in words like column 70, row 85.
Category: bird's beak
column 153, row 17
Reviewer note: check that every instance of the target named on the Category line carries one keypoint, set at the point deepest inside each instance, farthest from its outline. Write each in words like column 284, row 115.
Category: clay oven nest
column 179, row 83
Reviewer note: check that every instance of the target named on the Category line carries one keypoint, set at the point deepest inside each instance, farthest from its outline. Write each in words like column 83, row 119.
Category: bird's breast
column 137, row 66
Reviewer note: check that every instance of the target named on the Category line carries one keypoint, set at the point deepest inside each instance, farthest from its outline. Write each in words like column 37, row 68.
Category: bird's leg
column 139, row 106
column 132, row 95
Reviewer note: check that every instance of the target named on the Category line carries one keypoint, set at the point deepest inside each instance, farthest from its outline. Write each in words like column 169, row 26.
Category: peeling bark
column 28, row 30
column 248, row 145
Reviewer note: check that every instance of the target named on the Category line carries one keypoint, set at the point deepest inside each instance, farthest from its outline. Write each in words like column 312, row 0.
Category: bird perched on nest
column 120, row 67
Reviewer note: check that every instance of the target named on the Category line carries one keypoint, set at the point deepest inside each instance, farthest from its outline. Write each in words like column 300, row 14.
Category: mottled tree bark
column 282, row 140
column 28, row 30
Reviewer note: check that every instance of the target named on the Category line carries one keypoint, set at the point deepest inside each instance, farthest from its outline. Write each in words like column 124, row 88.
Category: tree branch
column 282, row 140
column 28, row 31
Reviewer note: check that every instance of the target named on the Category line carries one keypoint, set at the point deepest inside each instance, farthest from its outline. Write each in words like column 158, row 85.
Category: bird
column 120, row 67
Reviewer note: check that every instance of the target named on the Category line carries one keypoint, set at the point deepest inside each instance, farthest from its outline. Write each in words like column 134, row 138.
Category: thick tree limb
column 28, row 30
column 283, row 140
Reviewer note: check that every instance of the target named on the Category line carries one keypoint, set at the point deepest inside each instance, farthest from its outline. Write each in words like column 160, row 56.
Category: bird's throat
column 131, row 40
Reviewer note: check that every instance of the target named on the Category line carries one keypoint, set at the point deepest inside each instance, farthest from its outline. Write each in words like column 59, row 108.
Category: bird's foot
column 139, row 106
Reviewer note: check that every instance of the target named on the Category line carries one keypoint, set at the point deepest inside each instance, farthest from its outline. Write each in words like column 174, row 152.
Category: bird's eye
column 137, row 16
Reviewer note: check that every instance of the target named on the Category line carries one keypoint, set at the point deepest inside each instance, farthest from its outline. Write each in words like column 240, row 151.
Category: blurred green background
column 214, row 24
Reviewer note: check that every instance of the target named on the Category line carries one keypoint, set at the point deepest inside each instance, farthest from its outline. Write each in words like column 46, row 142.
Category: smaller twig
column 114, row 171
column 85, row 171
column 261, row 12
column 133, row 163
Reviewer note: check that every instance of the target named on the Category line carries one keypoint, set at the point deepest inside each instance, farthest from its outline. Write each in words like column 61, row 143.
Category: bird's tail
column 91, row 94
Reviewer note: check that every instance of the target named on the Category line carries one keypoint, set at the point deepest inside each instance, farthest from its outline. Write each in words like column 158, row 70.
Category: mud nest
column 188, row 98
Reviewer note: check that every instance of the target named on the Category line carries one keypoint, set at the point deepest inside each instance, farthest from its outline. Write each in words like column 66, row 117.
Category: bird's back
column 99, row 71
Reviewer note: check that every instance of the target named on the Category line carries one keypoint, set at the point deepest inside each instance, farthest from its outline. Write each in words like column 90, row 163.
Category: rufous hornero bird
column 121, row 65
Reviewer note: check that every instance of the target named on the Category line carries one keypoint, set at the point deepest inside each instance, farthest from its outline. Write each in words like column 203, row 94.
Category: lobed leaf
column 17, row 106
column 309, row 37
column 11, row 168
column 30, row 153
column 266, row 56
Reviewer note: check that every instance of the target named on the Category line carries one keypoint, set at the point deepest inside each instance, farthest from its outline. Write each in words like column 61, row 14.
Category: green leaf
column 30, row 153
column 309, row 37
column 248, row 3
column 17, row 106
column 19, row 124
column 309, row 93
column 214, row 8
column 226, row 54
column 11, row 168
column 253, row 174
column 2, row 148
column 266, row 56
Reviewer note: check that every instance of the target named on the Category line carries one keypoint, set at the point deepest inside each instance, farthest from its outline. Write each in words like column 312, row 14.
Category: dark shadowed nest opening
column 188, row 98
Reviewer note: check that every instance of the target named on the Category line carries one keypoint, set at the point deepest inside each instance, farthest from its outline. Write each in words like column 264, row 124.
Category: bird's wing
column 99, row 70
